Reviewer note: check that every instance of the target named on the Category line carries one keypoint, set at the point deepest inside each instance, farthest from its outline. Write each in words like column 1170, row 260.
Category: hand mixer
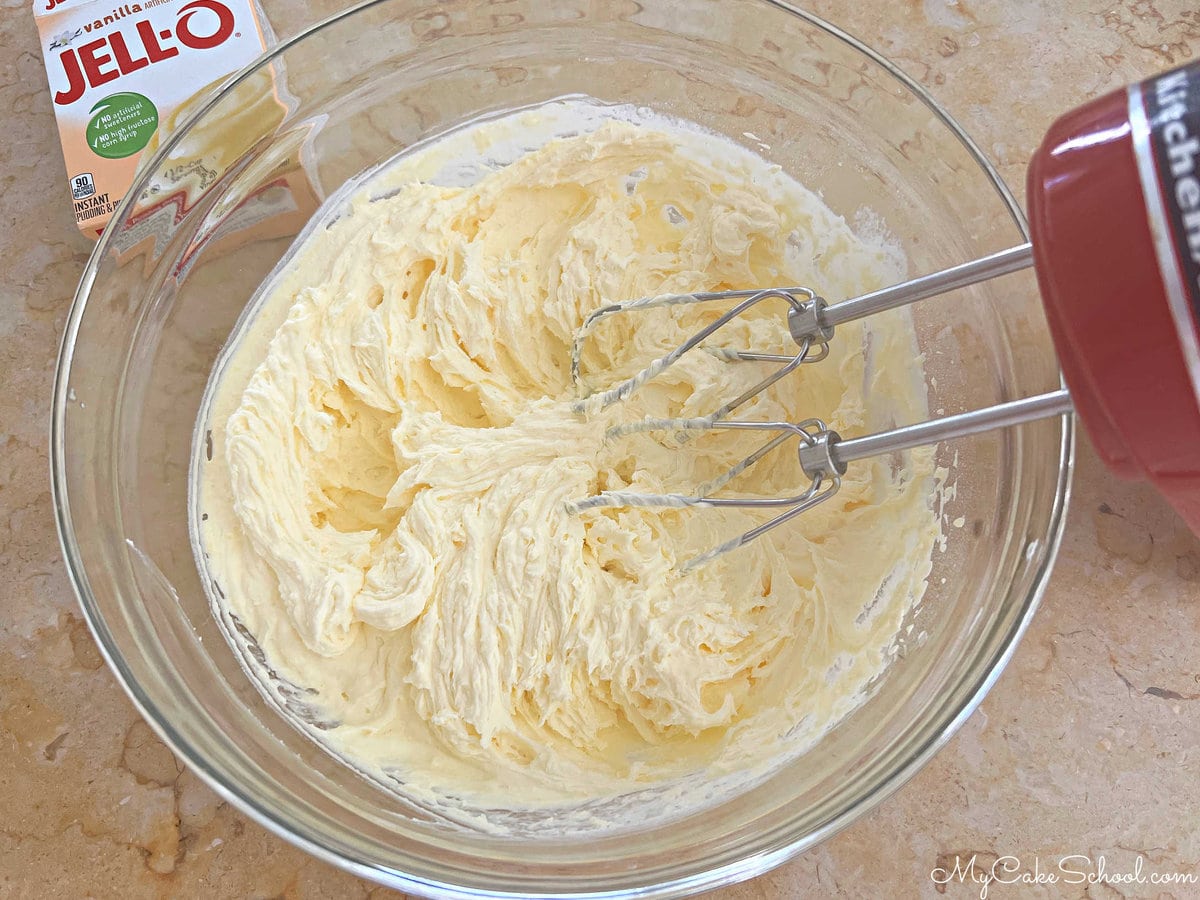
column 1114, row 204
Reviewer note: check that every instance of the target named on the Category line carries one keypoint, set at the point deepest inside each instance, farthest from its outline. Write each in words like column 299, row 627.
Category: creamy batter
column 394, row 445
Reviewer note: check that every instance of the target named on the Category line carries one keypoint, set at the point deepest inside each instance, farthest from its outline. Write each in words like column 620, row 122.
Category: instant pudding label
column 119, row 72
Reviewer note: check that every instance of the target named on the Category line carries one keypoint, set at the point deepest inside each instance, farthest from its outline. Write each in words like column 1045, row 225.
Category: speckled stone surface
column 1087, row 746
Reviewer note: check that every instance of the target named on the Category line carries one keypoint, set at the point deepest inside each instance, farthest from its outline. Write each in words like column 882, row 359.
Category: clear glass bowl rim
column 268, row 817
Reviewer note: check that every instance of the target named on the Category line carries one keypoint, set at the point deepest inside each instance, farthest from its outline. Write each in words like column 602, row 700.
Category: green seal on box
column 121, row 125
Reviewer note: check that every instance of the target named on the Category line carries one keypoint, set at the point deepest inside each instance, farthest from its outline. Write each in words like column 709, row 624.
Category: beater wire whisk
column 823, row 454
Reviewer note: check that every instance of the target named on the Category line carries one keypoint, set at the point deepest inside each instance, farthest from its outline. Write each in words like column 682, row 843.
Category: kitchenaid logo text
column 1173, row 110
column 200, row 25
column 995, row 873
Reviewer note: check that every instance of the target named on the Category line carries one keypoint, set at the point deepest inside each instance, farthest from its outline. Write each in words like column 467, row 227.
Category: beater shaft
column 818, row 319
column 1006, row 261
column 1002, row 415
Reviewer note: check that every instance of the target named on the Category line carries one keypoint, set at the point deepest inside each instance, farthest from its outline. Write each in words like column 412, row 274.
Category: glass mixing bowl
column 165, row 287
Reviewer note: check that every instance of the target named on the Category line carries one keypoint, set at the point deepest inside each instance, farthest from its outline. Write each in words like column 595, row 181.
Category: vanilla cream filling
column 395, row 447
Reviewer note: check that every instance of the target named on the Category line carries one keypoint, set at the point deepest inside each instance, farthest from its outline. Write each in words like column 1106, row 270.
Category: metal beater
column 1114, row 211
column 823, row 453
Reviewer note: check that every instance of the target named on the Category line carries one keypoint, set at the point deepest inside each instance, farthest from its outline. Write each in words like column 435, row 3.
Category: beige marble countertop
column 1088, row 745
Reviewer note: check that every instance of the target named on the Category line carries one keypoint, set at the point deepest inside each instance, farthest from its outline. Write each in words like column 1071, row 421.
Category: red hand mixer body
column 1114, row 208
